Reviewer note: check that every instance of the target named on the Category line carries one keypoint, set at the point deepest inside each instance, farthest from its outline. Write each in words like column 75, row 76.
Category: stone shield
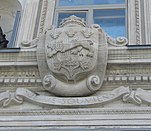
column 76, row 56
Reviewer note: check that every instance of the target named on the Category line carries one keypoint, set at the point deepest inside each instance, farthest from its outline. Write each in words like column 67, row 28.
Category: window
column 109, row 14
column 88, row 2
column 12, row 41
column 10, row 12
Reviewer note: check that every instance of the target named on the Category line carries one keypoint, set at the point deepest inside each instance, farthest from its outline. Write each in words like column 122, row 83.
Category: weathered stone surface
column 115, row 94
column 75, row 56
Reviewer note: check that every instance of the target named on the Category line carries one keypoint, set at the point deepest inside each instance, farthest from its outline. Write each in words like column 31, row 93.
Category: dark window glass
column 12, row 41
column 112, row 21
column 88, row 2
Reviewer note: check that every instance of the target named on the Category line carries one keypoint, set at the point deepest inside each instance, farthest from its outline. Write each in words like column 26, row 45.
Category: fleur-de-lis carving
column 55, row 34
column 71, row 32
column 87, row 33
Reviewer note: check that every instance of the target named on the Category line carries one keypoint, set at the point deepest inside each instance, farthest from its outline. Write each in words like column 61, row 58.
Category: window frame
column 65, row 11
column 13, row 39
column 90, row 10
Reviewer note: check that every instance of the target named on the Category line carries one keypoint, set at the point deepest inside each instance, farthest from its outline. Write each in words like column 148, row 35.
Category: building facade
column 73, row 64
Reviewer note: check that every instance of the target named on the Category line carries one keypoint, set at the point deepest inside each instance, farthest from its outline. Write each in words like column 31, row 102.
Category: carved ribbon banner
column 138, row 97
column 4, row 96
column 143, row 95
column 72, row 101
column 8, row 97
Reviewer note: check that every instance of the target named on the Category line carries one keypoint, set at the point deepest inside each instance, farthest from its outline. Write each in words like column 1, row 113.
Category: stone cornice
column 125, row 64
column 18, row 57
column 117, row 55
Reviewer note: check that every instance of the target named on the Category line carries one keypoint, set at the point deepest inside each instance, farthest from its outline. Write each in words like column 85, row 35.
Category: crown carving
column 73, row 21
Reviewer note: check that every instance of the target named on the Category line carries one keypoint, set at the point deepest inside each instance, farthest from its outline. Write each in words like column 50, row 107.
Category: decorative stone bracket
column 118, row 42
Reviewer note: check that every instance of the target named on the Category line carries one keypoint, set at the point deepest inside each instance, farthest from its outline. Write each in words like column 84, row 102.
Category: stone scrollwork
column 30, row 44
column 49, row 82
column 137, row 97
column 23, row 94
column 131, row 97
column 143, row 95
column 119, row 41
column 93, row 82
column 6, row 98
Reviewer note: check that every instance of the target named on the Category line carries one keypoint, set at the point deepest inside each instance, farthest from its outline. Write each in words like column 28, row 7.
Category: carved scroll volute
column 75, row 58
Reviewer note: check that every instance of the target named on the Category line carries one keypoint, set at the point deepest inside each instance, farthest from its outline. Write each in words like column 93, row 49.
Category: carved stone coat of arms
column 75, row 58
